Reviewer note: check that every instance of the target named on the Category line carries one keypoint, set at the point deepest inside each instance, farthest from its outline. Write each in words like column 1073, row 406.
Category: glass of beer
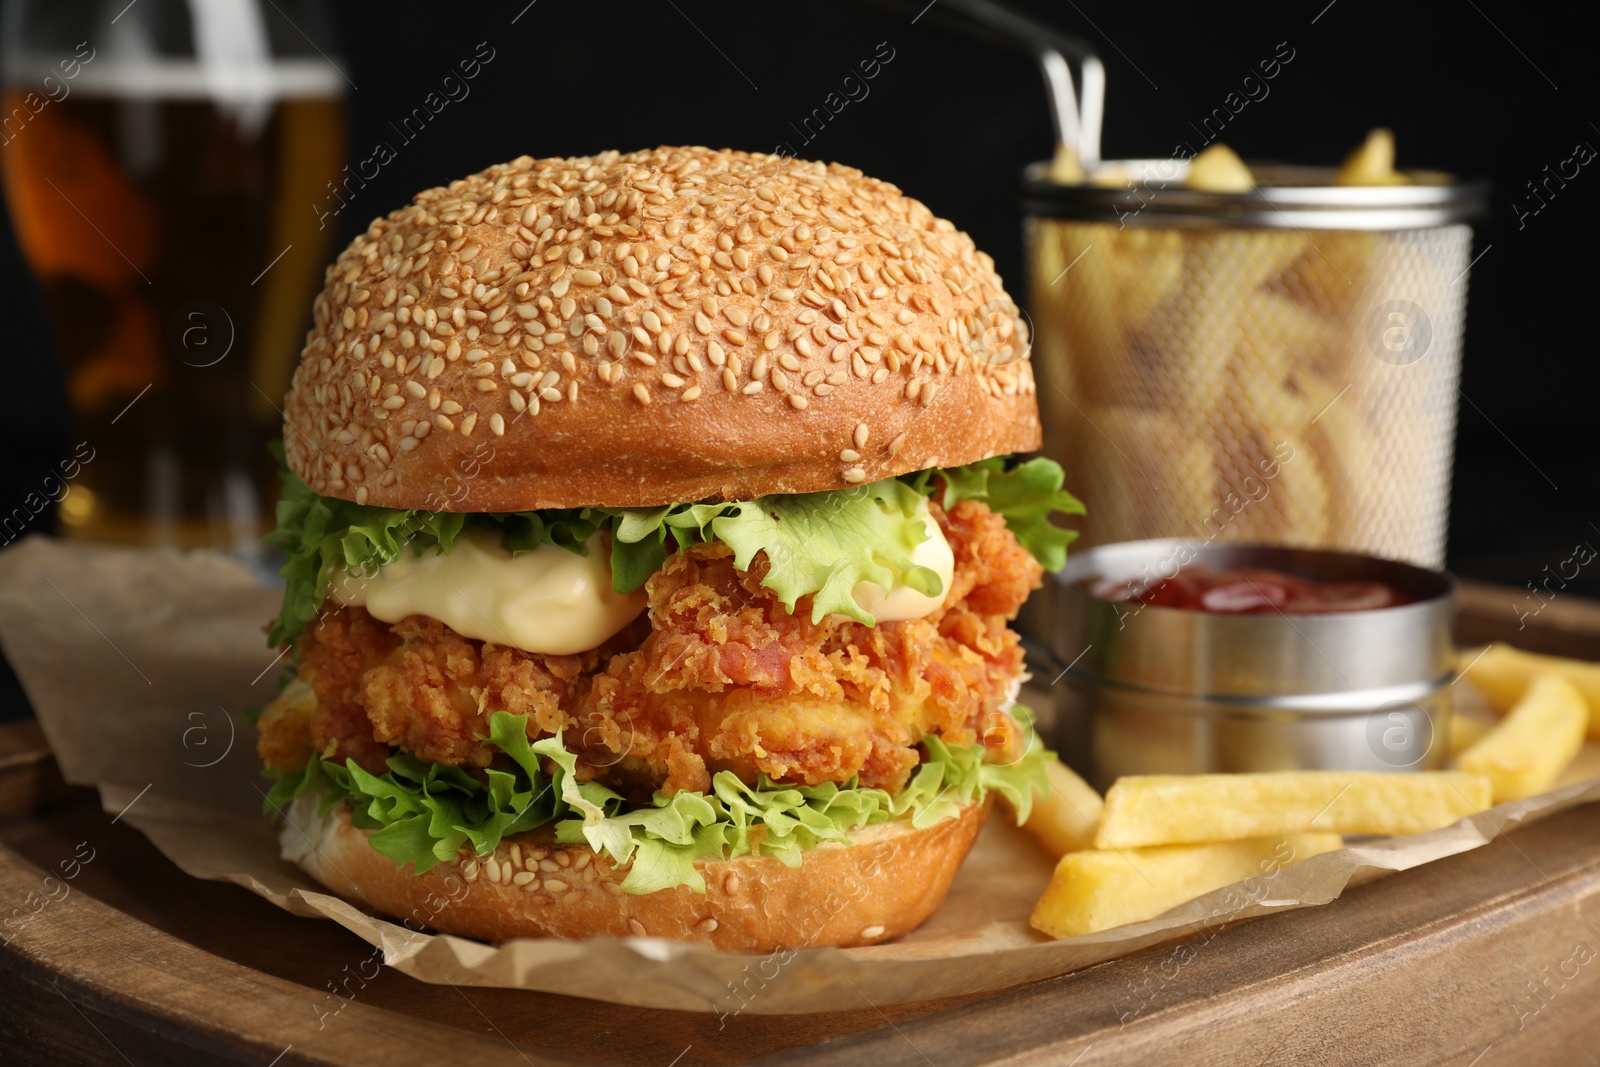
column 163, row 161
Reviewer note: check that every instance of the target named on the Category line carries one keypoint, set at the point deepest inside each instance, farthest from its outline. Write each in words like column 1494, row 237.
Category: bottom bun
column 880, row 884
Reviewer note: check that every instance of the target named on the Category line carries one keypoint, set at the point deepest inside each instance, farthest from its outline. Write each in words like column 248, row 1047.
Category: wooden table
column 1486, row 958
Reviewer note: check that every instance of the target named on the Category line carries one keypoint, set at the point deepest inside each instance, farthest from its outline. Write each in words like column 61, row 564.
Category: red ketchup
column 1250, row 591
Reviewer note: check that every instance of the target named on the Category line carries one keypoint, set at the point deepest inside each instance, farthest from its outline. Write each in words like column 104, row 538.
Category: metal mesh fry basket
column 1271, row 367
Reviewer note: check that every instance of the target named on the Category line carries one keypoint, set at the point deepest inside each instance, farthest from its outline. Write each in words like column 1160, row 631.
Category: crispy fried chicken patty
column 717, row 675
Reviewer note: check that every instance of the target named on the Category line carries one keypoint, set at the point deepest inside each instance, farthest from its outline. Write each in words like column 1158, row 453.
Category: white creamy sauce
column 547, row 601
column 903, row 602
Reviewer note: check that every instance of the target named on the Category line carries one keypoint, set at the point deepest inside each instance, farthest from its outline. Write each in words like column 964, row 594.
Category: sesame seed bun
column 883, row 883
column 666, row 326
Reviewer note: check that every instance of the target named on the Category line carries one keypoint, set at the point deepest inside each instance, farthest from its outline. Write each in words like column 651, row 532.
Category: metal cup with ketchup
column 1183, row 657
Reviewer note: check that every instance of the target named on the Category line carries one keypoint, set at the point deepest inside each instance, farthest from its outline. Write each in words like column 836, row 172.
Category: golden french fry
column 1144, row 267
column 1347, row 452
column 1093, row 891
column 1065, row 820
column 1065, row 167
column 1503, row 674
column 1188, row 809
column 1527, row 751
column 1129, row 451
column 1372, row 163
column 1465, row 731
column 1219, row 170
column 1329, row 274
column 1083, row 357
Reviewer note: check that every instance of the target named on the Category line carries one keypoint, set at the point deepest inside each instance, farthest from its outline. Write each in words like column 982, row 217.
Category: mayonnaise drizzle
column 548, row 601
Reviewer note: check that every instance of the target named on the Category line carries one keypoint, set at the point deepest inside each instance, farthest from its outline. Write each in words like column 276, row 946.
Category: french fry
column 1527, row 750
column 1503, row 674
column 1372, row 163
column 1093, row 891
column 1189, row 809
column 1219, row 170
column 1066, row 168
column 1065, row 820
column 1348, row 454
column 1121, row 447
column 1465, row 731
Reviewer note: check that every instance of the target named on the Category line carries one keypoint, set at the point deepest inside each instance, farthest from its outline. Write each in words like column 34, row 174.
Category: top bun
column 654, row 328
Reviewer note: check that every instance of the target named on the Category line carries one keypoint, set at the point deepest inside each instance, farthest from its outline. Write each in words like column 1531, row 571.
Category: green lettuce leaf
column 1025, row 496
column 824, row 543
column 424, row 813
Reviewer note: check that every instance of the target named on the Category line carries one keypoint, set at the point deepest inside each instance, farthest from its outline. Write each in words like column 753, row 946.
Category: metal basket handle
column 1076, row 111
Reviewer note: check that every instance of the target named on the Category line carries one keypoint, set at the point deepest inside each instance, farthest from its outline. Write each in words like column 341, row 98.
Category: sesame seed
column 586, row 277
column 897, row 444
column 798, row 402
column 361, row 495
column 854, row 475
column 523, row 877
column 394, row 403
column 497, row 423
column 861, row 434
column 849, row 455
column 752, row 388
column 469, row 424
column 672, row 381
column 556, row 885
column 691, row 393
column 641, row 392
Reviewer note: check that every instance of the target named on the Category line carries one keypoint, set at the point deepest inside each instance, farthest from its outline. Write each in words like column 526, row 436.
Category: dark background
column 1476, row 87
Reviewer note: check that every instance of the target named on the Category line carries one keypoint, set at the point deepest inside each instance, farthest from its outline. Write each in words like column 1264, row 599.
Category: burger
column 653, row 529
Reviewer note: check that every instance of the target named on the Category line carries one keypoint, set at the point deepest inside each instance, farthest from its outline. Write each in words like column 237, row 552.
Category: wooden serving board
column 1489, row 957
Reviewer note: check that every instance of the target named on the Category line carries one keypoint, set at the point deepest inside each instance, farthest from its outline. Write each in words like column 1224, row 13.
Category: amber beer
column 174, row 236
